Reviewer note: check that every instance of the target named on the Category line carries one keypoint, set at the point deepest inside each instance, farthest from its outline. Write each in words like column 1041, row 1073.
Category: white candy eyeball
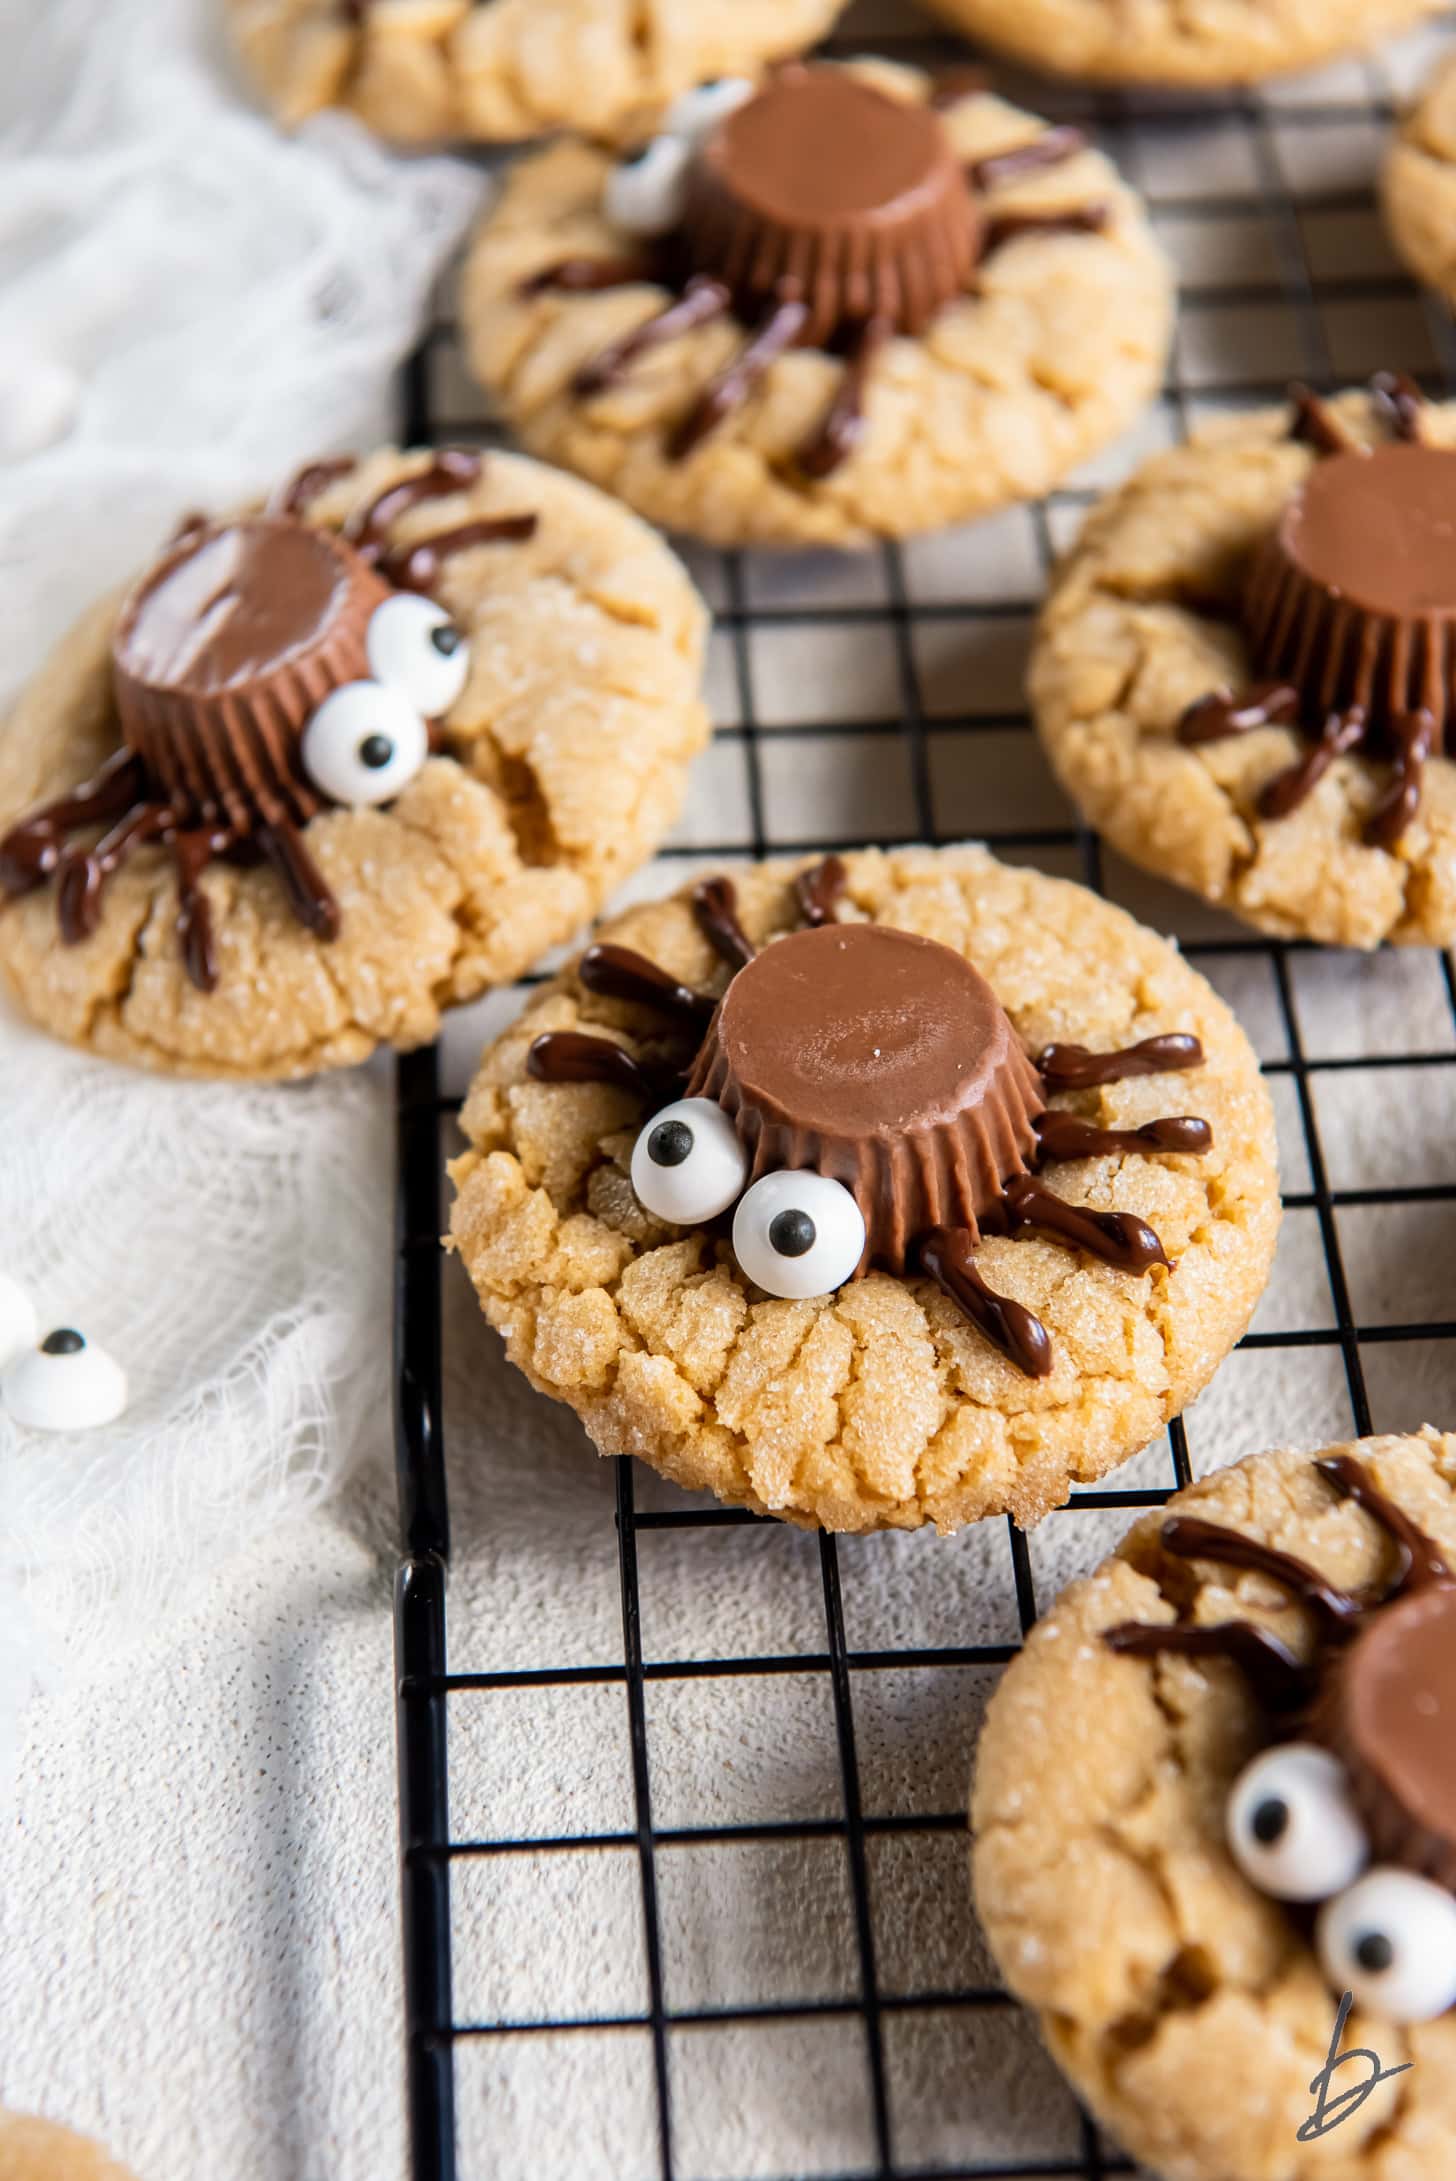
column 413, row 645
column 65, row 1384
column 798, row 1234
column 364, row 744
column 19, row 1325
column 645, row 194
column 693, row 113
column 1291, row 1825
column 1390, row 1939
column 687, row 1164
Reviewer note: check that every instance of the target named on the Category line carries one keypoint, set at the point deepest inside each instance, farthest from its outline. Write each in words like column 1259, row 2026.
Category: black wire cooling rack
column 1304, row 286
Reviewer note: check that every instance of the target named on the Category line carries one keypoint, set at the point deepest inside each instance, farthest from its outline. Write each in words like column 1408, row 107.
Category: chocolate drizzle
column 825, row 213
column 828, row 1031
column 1221, row 713
column 1073, row 1067
column 417, row 567
column 1315, row 422
column 1380, row 1689
column 454, row 469
column 1400, row 404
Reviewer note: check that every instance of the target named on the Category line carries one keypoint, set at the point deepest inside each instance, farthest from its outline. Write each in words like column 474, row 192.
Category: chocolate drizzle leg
column 1119, row 1238
column 1073, row 1067
column 30, row 851
column 571, row 1056
column 715, row 906
column 1220, row 714
column 733, row 385
column 1066, row 1136
column 1049, row 149
column 1287, row 790
column 454, row 469
column 948, row 1254
column 311, row 901
column 1420, row 1560
column 1400, row 404
column 1414, row 734
column 1077, row 219
column 1284, row 1685
column 844, row 423
column 81, row 877
column 417, row 567
column 700, row 303
column 619, row 973
column 819, row 890
column 588, row 275
column 1315, row 422
column 303, row 488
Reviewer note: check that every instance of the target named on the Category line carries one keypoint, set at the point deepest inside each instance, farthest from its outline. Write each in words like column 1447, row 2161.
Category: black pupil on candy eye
column 446, row 639
column 635, row 158
column 375, row 751
column 1374, row 1951
column 63, row 1342
column 1269, row 1820
column 670, row 1143
column 791, row 1233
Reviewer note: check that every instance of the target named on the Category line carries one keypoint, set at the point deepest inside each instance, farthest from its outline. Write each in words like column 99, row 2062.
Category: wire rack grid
column 880, row 698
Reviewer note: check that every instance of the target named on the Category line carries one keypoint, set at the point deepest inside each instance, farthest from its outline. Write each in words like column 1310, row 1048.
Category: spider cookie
column 1217, row 1792
column 1159, row 42
column 876, row 1191
column 1418, row 183
column 420, row 71
column 837, row 308
column 1245, row 673
column 339, row 763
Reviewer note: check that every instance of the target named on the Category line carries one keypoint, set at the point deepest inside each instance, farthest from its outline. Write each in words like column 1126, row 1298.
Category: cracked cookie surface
column 1139, row 624
column 563, row 766
column 1418, row 183
column 1186, row 2007
column 421, row 71
column 1011, row 386
column 879, row 1405
column 1211, row 43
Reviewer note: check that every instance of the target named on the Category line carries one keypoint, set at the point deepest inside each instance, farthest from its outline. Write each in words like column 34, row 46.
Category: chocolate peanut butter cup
column 824, row 189
column 885, row 1061
column 229, row 645
column 1353, row 595
column 1389, row 1714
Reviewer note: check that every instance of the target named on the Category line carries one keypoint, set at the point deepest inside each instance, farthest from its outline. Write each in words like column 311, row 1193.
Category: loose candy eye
column 413, row 645
column 1291, row 1826
column 645, row 194
column 1390, row 1939
column 364, row 743
column 693, row 113
column 65, row 1384
column 19, row 1327
column 687, row 1164
column 798, row 1234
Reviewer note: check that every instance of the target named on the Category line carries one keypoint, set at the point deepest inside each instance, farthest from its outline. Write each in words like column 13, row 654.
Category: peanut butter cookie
column 1214, row 1794
column 836, row 309
column 422, row 71
column 38, row 2150
column 963, row 1186
column 1418, row 183
column 1245, row 673
column 1212, row 46
column 337, row 764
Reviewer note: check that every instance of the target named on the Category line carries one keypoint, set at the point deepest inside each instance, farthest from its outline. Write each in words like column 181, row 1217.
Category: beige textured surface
column 567, row 756
column 878, row 1406
column 1123, row 647
column 1009, row 389
column 1186, row 2007
column 425, row 70
column 1203, row 42
column 1418, row 182
column 37, row 2150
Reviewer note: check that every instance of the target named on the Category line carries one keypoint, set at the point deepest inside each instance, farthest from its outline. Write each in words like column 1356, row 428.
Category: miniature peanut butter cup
column 1353, row 596
column 883, row 1060
column 822, row 189
column 228, row 646
column 1389, row 1715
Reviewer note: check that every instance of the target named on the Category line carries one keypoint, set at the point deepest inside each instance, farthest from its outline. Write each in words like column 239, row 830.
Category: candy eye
column 65, row 1384
column 413, row 645
column 19, row 1327
column 1291, row 1826
column 693, row 113
column 645, row 193
column 687, row 1164
column 798, row 1234
column 364, row 744
column 1390, row 1940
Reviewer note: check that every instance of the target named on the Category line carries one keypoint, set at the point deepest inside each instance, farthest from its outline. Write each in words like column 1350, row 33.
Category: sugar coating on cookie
column 847, row 306
column 421, row 71
column 1213, row 1794
column 334, row 766
column 1245, row 672
column 984, row 1342
column 1418, row 182
column 1160, row 42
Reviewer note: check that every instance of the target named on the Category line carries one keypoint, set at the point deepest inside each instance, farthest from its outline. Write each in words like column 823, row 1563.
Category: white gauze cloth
column 190, row 305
